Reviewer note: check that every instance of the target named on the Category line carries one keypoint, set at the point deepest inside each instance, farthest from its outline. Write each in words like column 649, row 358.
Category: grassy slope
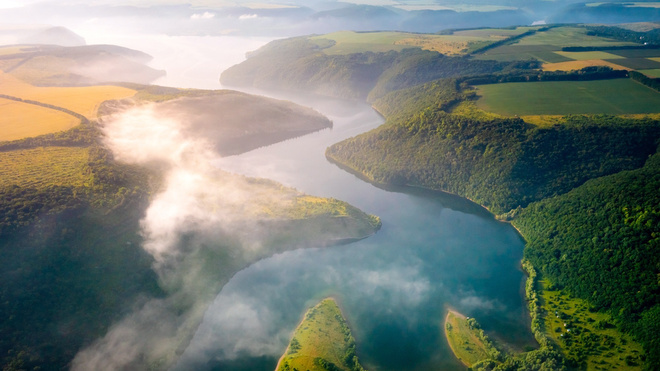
column 322, row 342
column 587, row 336
column 463, row 339
column 45, row 166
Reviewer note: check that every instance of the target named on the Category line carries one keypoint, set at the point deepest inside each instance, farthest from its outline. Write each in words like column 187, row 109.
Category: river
column 434, row 252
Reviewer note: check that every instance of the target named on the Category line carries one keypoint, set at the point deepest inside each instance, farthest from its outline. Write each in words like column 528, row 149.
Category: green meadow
column 569, row 36
column 618, row 96
column 321, row 342
column 588, row 337
column 464, row 339
column 349, row 42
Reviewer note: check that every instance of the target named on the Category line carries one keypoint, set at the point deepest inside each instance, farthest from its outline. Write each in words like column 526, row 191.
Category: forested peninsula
column 581, row 188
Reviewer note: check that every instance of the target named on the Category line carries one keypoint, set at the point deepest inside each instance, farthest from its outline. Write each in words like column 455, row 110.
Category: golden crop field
column 39, row 167
column 580, row 64
column 83, row 100
column 21, row 120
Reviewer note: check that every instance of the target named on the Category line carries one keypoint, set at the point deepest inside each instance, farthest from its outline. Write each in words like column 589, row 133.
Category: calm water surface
column 434, row 252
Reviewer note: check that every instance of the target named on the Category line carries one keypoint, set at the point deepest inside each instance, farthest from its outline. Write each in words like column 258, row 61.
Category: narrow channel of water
column 434, row 252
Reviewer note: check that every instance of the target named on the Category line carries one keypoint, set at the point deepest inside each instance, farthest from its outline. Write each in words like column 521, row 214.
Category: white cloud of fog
column 404, row 285
column 472, row 302
column 145, row 332
column 196, row 199
column 237, row 326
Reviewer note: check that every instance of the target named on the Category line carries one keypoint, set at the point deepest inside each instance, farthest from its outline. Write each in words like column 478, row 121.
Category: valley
column 388, row 200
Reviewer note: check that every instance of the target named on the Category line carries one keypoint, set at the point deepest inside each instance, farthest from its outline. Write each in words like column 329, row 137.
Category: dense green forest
column 600, row 242
column 58, row 294
column 583, row 192
column 501, row 163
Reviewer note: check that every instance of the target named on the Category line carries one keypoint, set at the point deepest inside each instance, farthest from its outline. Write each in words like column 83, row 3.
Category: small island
column 321, row 342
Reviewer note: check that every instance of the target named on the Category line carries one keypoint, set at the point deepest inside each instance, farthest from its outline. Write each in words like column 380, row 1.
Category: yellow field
column 577, row 65
column 22, row 120
column 82, row 100
column 655, row 59
column 44, row 166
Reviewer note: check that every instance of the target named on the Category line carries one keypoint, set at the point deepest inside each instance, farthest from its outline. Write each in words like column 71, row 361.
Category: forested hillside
column 299, row 64
column 501, row 163
column 600, row 242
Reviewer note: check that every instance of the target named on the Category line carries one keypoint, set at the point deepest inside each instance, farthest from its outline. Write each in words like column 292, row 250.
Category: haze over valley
column 329, row 185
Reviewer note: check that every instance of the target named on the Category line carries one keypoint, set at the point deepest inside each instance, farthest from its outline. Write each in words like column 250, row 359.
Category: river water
column 434, row 251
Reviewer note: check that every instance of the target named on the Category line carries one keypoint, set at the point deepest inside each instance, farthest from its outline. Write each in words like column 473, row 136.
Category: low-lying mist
column 200, row 216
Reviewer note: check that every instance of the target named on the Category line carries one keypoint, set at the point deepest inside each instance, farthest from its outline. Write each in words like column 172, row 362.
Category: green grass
column 581, row 56
column 515, row 52
column 46, row 166
column 636, row 63
column 619, row 96
column 323, row 334
column 637, row 53
column 589, row 337
column 464, row 340
column 348, row 42
column 568, row 36
column 651, row 73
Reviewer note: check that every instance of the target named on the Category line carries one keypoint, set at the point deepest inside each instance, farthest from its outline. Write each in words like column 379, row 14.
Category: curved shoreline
column 451, row 346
